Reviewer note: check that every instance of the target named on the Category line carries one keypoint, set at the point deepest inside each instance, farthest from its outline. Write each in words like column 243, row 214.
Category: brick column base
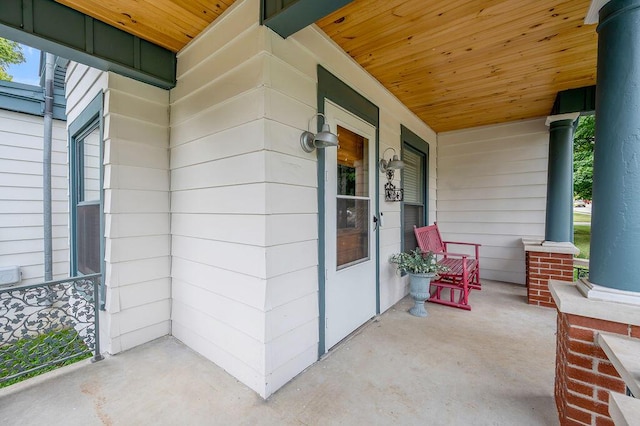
column 542, row 267
column 584, row 375
column 544, row 262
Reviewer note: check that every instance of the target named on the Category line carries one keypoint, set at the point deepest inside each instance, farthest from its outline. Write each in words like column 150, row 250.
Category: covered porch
column 492, row 365
column 213, row 220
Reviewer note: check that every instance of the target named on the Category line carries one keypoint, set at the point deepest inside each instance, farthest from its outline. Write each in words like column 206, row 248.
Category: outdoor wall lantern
column 394, row 163
column 391, row 193
column 324, row 139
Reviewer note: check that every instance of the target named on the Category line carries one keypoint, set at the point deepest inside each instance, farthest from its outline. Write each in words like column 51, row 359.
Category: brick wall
column 584, row 375
column 542, row 267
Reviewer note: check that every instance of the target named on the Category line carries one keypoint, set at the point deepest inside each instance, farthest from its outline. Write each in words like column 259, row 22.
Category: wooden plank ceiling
column 167, row 23
column 454, row 63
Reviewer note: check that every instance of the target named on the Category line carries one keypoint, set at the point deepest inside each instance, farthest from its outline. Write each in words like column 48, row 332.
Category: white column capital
column 593, row 15
column 573, row 116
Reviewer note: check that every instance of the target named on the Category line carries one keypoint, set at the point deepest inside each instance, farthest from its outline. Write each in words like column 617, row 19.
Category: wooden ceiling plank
column 541, row 69
column 206, row 9
column 502, row 66
column 510, row 38
column 169, row 23
column 128, row 21
column 465, row 24
column 391, row 29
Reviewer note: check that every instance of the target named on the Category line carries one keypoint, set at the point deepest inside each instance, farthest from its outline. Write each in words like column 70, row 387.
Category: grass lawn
column 581, row 217
column 26, row 354
column 582, row 239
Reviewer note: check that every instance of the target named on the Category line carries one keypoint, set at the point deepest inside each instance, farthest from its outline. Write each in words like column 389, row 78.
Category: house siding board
column 235, row 314
column 219, row 90
column 21, row 196
column 492, row 190
column 223, row 358
column 245, row 289
column 82, row 85
column 237, row 347
column 136, row 203
column 218, row 196
column 247, row 139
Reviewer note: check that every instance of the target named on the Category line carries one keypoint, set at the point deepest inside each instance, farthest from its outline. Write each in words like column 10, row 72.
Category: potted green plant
column 421, row 267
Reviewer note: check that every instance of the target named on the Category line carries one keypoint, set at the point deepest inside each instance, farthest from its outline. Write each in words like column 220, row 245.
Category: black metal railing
column 580, row 268
column 43, row 326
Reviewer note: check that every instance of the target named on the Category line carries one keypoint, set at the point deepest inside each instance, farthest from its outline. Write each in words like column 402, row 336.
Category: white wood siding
column 136, row 204
column 219, row 196
column 21, row 208
column 244, row 195
column 492, row 184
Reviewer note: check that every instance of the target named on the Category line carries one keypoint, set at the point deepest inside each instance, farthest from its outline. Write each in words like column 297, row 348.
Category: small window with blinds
column 414, row 184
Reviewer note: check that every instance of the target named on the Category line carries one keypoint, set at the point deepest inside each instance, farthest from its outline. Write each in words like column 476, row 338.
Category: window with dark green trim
column 87, row 205
column 415, row 183
column 85, row 171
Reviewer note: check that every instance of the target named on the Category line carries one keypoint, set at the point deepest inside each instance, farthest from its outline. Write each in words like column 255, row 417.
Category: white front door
column 350, row 249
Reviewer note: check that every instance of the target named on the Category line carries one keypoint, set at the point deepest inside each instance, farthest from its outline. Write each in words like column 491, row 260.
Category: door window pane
column 352, row 202
column 353, row 166
column 353, row 231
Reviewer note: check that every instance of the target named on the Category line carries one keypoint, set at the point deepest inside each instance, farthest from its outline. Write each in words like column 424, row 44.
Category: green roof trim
column 58, row 29
column 287, row 17
column 29, row 99
column 582, row 100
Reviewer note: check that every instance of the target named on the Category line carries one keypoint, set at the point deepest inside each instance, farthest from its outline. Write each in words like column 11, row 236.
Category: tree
column 583, row 142
column 10, row 53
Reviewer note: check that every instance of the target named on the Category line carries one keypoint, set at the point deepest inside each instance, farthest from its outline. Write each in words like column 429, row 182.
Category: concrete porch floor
column 493, row 365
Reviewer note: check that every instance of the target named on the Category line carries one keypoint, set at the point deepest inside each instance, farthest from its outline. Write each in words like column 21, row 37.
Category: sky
column 27, row 72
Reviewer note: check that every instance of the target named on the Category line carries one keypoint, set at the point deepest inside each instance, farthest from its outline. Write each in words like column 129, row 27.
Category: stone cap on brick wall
column 533, row 244
column 569, row 300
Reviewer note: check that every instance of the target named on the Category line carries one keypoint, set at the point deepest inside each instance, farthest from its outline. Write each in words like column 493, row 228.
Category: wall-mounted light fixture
column 394, row 163
column 310, row 141
column 391, row 193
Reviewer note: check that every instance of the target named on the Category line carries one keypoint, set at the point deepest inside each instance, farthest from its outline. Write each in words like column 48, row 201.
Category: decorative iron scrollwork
column 56, row 321
column 391, row 193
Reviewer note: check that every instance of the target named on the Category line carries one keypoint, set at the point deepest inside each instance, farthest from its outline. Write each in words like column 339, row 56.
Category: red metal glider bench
column 463, row 272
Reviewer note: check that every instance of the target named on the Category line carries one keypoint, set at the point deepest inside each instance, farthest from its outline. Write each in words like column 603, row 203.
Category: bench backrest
column 429, row 238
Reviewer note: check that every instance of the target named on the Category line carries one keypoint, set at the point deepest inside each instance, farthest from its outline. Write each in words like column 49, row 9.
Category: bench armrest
column 464, row 244
column 448, row 253
column 476, row 246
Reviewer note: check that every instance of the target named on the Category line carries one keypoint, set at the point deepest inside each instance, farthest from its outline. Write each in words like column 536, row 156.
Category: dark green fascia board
column 287, row 17
column 58, row 29
column 582, row 100
column 29, row 99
